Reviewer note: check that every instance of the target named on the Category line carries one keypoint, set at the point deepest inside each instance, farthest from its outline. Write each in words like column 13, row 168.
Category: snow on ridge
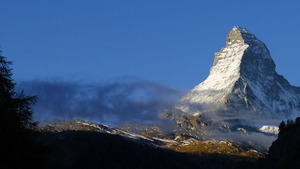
column 269, row 129
column 243, row 69
column 240, row 29
column 223, row 75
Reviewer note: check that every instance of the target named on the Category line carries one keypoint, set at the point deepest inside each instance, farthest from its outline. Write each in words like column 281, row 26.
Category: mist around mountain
column 229, row 121
column 243, row 81
column 78, row 144
column 113, row 102
column 243, row 98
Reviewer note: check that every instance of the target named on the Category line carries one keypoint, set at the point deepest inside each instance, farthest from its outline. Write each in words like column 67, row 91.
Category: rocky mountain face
column 243, row 82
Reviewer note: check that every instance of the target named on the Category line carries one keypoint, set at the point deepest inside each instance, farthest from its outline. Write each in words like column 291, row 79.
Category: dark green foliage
column 297, row 121
column 16, row 143
column 282, row 126
column 15, row 108
column 284, row 152
column 290, row 123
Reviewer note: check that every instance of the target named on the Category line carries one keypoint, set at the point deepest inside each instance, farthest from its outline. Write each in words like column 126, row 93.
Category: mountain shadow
column 91, row 150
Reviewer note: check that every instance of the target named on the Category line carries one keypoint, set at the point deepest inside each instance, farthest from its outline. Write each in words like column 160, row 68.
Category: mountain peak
column 240, row 29
column 239, row 35
column 243, row 79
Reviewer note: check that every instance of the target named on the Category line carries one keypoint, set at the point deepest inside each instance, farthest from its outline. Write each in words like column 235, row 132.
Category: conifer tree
column 15, row 108
column 15, row 121
column 282, row 126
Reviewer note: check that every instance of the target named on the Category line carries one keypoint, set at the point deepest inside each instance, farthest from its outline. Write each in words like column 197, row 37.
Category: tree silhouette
column 15, row 108
column 15, row 120
column 282, row 126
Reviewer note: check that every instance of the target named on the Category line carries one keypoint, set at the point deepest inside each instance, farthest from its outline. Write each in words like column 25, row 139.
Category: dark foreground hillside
column 89, row 150
column 95, row 150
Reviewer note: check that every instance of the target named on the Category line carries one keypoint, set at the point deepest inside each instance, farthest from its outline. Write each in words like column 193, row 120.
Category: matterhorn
column 243, row 83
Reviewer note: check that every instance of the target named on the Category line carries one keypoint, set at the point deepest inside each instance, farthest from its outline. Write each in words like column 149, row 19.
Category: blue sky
column 111, row 61
column 168, row 42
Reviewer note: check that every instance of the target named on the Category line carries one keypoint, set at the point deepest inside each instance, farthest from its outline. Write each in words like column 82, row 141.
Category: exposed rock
column 242, row 85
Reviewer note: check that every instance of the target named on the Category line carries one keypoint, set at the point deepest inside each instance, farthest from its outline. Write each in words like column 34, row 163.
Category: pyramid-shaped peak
column 243, row 79
column 240, row 29
column 239, row 35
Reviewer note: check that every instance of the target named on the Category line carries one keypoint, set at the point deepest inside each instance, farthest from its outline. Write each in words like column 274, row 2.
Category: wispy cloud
column 136, row 100
column 113, row 102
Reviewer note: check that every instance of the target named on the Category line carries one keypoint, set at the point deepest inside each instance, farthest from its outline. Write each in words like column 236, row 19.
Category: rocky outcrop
column 243, row 81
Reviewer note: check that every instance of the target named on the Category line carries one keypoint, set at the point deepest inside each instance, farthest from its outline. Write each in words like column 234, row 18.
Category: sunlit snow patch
column 269, row 129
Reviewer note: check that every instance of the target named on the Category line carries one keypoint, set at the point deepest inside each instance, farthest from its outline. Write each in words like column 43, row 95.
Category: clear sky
column 170, row 42
column 134, row 57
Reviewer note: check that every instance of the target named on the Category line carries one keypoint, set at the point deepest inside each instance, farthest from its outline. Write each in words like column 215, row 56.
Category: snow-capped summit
column 243, row 80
